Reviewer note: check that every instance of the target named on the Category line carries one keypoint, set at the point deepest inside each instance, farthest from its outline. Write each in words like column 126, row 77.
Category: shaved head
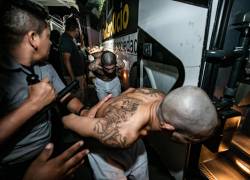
column 108, row 58
column 190, row 111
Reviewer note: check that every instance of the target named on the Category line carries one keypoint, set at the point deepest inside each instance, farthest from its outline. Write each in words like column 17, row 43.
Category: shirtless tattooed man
column 186, row 113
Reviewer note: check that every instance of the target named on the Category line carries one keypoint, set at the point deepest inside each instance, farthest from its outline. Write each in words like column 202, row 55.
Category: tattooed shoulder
column 108, row 129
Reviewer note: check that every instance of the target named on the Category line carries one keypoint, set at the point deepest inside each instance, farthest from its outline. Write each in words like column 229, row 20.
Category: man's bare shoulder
column 128, row 102
column 124, row 103
column 117, row 119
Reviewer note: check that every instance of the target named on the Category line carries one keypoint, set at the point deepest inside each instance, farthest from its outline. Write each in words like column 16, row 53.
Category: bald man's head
column 191, row 112
column 108, row 58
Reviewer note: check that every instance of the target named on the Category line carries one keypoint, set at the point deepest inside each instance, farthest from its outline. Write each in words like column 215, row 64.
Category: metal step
column 242, row 143
column 220, row 168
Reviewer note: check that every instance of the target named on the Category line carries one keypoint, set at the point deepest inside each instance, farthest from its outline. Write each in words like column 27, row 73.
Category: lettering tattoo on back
column 108, row 128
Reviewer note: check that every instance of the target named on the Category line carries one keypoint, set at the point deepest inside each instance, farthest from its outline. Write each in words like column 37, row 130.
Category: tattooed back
column 130, row 100
column 124, row 116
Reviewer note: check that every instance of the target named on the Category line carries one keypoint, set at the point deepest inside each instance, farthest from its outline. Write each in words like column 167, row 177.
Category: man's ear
column 33, row 39
column 167, row 126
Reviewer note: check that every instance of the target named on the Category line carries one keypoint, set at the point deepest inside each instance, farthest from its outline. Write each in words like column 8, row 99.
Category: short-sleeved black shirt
column 67, row 45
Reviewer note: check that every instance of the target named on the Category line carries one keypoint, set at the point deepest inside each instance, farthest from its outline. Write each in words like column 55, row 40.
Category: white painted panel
column 177, row 26
column 192, row 75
